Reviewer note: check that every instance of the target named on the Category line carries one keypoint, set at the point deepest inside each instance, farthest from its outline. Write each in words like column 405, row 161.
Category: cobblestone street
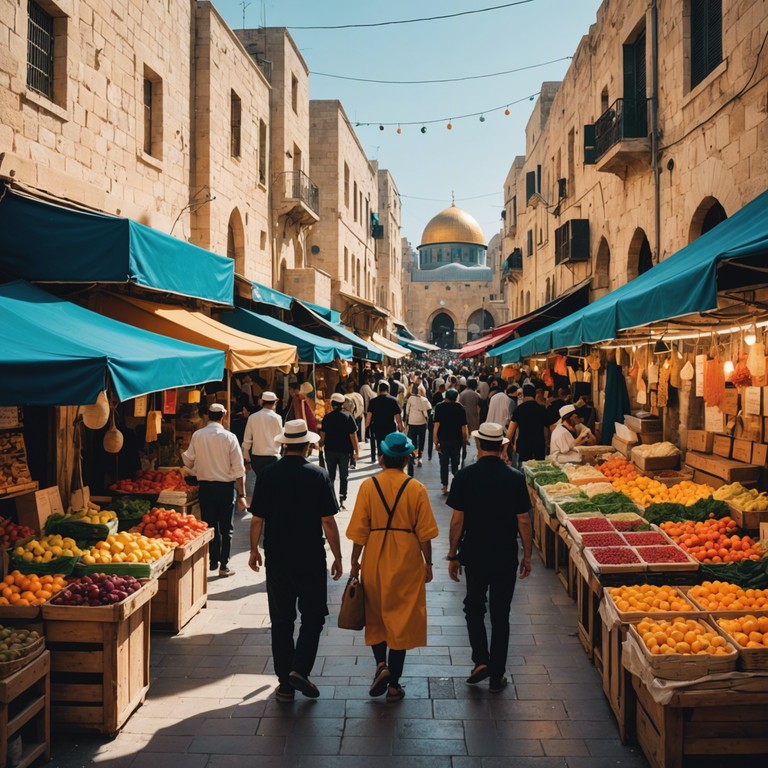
column 211, row 702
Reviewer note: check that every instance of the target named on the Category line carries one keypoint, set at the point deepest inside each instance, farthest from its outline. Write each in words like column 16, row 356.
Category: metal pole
column 655, row 128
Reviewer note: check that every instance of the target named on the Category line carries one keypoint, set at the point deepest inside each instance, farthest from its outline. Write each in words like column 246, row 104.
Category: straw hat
column 296, row 431
column 491, row 432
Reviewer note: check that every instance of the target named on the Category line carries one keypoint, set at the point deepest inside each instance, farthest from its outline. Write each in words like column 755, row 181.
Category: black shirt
column 491, row 494
column 383, row 409
column 531, row 419
column 337, row 426
column 292, row 496
column 451, row 417
column 553, row 410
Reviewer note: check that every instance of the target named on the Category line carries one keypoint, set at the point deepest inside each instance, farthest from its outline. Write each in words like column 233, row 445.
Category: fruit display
column 171, row 525
column 45, row 549
column 703, row 509
column 16, row 643
column 627, row 521
column 748, row 631
column 582, row 473
column 663, row 554
column 681, row 636
column 724, row 596
column 614, row 469
column 649, row 598
column 22, row 589
column 646, row 491
column 151, row 481
column 615, row 556
column 656, row 450
column 11, row 532
column 579, row 508
column 612, row 502
column 601, row 539
column 97, row 589
column 127, row 547
column 93, row 515
column 713, row 541
column 591, row 524
column 84, row 525
column 745, row 499
column 645, row 539
column 551, row 477
column 129, row 508
column 595, row 489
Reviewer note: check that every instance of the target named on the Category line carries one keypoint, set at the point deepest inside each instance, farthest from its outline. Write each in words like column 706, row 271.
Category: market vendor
column 564, row 441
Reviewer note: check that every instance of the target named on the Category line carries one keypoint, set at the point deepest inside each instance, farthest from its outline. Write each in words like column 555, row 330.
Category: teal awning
column 309, row 320
column 311, row 347
column 48, row 243
column 731, row 256
column 53, row 352
column 264, row 295
column 415, row 345
column 328, row 314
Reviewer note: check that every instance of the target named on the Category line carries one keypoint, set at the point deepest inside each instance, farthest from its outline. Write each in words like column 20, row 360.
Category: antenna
column 244, row 5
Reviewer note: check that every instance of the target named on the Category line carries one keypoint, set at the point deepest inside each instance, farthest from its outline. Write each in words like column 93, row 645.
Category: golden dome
column 452, row 226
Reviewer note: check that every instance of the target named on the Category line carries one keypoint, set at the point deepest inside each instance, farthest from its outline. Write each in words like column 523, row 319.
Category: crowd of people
column 479, row 424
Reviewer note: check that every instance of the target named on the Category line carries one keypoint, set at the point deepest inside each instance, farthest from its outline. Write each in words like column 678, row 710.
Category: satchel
column 352, row 611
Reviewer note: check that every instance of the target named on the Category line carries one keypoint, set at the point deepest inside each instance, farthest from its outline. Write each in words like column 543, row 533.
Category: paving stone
column 429, row 729
column 565, row 747
column 238, row 745
column 501, row 746
column 429, row 747
column 365, row 746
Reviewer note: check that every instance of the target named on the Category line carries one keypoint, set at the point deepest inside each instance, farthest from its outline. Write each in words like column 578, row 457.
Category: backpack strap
column 390, row 510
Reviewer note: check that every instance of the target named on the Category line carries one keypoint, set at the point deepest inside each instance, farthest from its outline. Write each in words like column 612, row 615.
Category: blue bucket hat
column 397, row 444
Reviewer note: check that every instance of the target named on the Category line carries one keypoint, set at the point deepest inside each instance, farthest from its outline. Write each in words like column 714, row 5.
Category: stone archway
column 443, row 330
column 639, row 257
column 236, row 241
column 478, row 322
column 707, row 216
column 601, row 271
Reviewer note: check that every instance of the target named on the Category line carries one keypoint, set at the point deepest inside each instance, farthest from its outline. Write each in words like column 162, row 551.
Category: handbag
column 352, row 610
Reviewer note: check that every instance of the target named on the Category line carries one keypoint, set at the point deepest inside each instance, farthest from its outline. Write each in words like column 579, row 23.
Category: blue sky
column 473, row 158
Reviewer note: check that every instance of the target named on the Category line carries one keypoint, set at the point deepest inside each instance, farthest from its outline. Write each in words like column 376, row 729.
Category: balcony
column 618, row 142
column 298, row 199
column 512, row 267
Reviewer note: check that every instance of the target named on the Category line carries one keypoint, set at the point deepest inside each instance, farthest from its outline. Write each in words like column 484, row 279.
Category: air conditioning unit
column 572, row 241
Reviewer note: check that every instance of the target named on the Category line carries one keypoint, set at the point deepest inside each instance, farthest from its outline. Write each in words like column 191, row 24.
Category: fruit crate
column 25, row 712
column 617, row 685
column 750, row 659
column 749, row 521
column 601, row 568
column 99, row 661
column 628, row 617
column 151, row 570
column 589, row 592
column 183, row 589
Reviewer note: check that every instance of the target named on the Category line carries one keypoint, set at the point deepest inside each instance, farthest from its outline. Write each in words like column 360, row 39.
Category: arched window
column 548, row 294
column 236, row 241
column 601, row 274
column 478, row 322
column 707, row 216
column 443, row 330
column 527, row 301
column 639, row 258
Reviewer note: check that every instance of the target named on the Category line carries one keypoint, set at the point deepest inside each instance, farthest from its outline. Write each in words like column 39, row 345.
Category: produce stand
column 183, row 589
column 99, row 661
column 25, row 711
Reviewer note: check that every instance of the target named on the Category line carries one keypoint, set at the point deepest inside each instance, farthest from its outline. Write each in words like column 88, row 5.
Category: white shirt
column 367, row 393
column 261, row 429
column 417, row 410
column 483, row 388
column 562, row 446
column 357, row 399
column 498, row 409
column 214, row 454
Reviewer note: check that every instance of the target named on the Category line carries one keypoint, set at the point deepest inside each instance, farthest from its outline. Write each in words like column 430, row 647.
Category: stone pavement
column 211, row 701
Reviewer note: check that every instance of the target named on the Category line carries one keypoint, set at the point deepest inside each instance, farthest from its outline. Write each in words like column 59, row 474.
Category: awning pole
column 229, row 396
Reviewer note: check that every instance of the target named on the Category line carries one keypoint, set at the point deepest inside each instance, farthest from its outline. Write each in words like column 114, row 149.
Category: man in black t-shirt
column 491, row 508
column 383, row 418
column 296, row 506
column 529, row 427
column 450, row 434
column 338, row 437
column 436, row 399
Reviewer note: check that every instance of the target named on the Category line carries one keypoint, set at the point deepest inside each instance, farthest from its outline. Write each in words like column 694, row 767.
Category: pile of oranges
column 748, row 631
column 713, row 541
column 22, row 589
column 649, row 598
column 645, row 491
column 686, row 636
column 722, row 596
column 614, row 469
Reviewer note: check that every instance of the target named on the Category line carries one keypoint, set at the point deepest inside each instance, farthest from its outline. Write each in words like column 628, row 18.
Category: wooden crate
column 562, row 561
column 708, row 721
column 25, row 710
column 588, row 595
column 99, row 661
column 183, row 589
column 617, row 684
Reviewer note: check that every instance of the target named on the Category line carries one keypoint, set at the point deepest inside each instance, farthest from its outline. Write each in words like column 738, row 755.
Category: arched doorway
column 639, row 258
column 478, row 322
column 601, row 274
column 707, row 216
column 236, row 241
column 443, row 330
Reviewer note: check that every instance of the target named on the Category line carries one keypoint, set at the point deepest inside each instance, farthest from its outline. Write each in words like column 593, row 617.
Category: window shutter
column 706, row 38
column 590, row 153
column 529, row 244
column 714, row 34
column 530, row 185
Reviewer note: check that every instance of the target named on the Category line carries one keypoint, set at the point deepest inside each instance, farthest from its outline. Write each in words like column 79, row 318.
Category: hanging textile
column 616, row 401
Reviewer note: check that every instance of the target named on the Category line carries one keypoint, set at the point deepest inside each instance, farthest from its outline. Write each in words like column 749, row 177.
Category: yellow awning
column 244, row 352
column 390, row 348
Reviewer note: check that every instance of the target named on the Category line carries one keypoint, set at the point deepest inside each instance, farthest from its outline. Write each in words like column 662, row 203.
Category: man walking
column 529, row 427
column 491, row 507
column 338, row 436
column 259, row 446
column 215, row 458
column 296, row 507
column 450, row 434
column 383, row 418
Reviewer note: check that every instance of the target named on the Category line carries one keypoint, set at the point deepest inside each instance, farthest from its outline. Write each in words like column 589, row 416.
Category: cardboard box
column 749, row 428
column 642, row 425
column 730, row 402
column 760, row 454
column 726, row 469
column 649, row 438
column 742, row 451
column 625, row 433
column 699, row 440
column 647, row 463
column 622, row 446
column 722, row 446
column 705, row 479
column 33, row 509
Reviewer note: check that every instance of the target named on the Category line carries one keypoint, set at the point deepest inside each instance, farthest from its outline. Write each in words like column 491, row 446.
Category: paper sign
column 752, row 400
column 701, row 361
column 763, row 531
column 9, row 417
column 140, row 406
column 169, row 402
column 714, row 420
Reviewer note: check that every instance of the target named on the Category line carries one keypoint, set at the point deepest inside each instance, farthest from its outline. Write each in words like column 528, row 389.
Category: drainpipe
column 655, row 128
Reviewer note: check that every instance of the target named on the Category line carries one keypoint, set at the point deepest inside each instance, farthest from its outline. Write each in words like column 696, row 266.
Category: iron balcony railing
column 624, row 119
column 298, row 186
column 513, row 263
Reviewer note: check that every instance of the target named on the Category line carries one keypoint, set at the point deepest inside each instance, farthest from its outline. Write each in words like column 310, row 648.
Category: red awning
column 496, row 336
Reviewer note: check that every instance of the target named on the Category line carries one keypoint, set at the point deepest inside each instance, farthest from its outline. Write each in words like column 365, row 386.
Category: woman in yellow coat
column 397, row 563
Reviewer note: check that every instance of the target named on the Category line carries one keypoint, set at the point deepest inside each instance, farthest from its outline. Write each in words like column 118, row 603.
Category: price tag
column 752, row 400
column 9, row 417
column 714, row 419
column 140, row 406
column 700, row 362
column 763, row 531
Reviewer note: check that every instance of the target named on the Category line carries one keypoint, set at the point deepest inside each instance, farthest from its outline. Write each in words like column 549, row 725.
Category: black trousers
column 430, row 442
column 285, row 589
column 395, row 663
column 496, row 585
column 217, row 508
column 450, row 453
column 334, row 460
column 417, row 434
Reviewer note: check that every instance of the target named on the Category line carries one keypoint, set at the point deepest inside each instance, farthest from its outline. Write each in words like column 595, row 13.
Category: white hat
column 491, row 432
column 268, row 397
column 463, row 381
column 306, row 388
column 296, row 431
column 216, row 408
column 337, row 397
column 566, row 410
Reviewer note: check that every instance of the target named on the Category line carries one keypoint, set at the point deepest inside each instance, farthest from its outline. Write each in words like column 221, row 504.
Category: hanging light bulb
column 482, row 118
column 423, row 128
column 728, row 368
column 381, row 127
column 449, row 126
column 399, row 129
column 506, row 111
column 751, row 336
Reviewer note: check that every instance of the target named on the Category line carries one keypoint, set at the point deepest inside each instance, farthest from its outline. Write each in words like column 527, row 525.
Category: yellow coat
column 393, row 577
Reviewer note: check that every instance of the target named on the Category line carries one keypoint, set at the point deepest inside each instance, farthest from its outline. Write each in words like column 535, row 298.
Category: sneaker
column 303, row 684
column 284, row 693
column 226, row 572
column 380, row 681
column 497, row 684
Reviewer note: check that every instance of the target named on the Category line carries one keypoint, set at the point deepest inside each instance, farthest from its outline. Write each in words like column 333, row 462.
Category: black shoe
column 303, row 685
column 497, row 684
column 284, row 693
column 395, row 693
column 214, row 566
column 479, row 673
column 380, row 681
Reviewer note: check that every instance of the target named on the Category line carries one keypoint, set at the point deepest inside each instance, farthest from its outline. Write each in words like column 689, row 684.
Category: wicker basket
column 7, row 668
column 750, row 659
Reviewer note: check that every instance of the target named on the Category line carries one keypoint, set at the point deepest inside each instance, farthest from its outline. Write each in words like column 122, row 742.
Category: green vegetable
column 548, row 478
column 132, row 508
column 577, row 507
column 667, row 510
column 748, row 574
column 613, row 502
column 711, row 507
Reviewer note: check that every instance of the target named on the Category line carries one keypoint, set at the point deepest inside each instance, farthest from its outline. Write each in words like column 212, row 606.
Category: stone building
column 389, row 246
column 587, row 200
column 450, row 291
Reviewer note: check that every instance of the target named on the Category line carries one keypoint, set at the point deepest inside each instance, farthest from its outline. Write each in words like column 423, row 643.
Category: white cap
column 268, row 397
column 216, row 408
column 337, row 397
